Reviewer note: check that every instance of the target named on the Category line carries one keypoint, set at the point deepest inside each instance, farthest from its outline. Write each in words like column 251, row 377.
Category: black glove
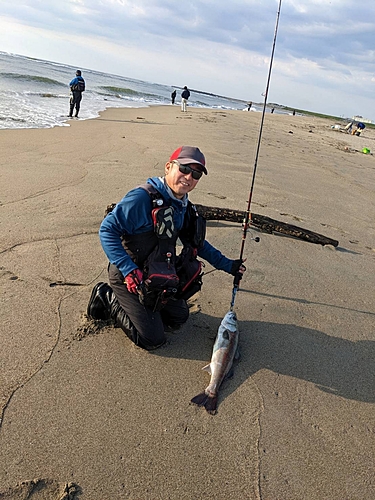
column 237, row 268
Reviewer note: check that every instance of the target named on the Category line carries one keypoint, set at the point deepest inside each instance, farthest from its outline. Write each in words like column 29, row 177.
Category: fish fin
column 207, row 368
column 229, row 374
column 211, row 405
column 237, row 355
column 209, row 402
column 199, row 399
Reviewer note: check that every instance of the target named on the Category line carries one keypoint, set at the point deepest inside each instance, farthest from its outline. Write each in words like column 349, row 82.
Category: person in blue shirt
column 139, row 237
column 77, row 86
column 359, row 128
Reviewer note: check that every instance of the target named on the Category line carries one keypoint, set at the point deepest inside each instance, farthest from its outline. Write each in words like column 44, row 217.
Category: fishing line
column 237, row 278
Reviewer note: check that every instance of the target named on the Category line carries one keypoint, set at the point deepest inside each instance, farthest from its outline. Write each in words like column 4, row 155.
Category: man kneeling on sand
column 149, row 283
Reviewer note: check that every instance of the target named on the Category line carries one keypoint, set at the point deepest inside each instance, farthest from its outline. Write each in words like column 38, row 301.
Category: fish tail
column 209, row 402
column 200, row 399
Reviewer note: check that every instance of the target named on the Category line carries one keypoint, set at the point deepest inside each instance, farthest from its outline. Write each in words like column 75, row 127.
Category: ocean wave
column 201, row 103
column 12, row 119
column 31, row 78
column 124, row 91
column 50, row 95
column 28, row 93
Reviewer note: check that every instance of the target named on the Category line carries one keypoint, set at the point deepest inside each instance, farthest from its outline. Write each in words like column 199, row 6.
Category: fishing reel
column 246, row 230
column 253, row 238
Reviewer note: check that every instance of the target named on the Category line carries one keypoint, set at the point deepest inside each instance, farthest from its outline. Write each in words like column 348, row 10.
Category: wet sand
column 86, row 414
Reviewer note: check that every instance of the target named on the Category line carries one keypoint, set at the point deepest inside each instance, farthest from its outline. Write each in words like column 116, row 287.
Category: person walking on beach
column 184, row 98
column 173, row 96
column 77, row 86
column 148, row 284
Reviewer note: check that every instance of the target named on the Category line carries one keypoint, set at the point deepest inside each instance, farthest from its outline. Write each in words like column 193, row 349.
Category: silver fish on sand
column 224, row 352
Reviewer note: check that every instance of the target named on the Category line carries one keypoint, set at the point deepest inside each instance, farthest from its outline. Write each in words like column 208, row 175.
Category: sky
column 324, row 58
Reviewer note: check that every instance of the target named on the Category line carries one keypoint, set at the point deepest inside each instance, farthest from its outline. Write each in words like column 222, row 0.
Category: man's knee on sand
column 150, row 333
column 148, row 327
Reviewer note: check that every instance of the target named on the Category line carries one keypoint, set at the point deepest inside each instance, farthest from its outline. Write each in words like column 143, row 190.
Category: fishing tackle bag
column 79, row 86
column 189, row 271
column 159, row 271
column 166, row 275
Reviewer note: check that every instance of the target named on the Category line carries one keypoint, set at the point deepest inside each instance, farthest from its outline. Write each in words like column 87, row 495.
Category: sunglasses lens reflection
column 185, row 169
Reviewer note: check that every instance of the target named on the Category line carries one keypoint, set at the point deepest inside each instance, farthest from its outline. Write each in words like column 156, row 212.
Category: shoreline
column 279, row 110
column 84, row 406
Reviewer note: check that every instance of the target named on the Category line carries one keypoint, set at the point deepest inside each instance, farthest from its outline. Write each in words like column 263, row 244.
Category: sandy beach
column 87, row 415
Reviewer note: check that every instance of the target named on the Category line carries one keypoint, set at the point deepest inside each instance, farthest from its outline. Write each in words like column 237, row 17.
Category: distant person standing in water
column 77, row 86
column 249, row 104
column 173, row 96
column 184, row 98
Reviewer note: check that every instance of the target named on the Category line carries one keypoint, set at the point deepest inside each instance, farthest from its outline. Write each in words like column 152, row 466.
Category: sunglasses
column 185, row 169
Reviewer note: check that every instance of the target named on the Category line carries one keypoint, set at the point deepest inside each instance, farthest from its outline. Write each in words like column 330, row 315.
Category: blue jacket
column 76, row 80
column 132, row 215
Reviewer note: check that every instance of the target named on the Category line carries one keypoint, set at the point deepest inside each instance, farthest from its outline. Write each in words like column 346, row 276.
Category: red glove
column 133, row 280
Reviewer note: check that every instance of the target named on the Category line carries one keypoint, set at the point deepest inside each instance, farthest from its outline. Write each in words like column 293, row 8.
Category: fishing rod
column 237, row 278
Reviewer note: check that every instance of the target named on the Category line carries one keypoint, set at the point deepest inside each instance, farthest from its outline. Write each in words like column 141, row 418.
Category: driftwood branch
column 265, row 224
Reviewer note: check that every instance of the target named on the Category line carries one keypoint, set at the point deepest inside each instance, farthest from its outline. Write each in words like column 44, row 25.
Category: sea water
column 35, row 93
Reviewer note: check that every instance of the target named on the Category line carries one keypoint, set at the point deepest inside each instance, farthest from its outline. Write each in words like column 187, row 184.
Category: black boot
column 104, row 305
column 98, row 307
